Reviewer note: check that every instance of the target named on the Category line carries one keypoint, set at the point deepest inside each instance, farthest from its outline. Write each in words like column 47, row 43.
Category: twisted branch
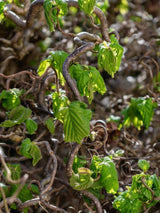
column 72, row 57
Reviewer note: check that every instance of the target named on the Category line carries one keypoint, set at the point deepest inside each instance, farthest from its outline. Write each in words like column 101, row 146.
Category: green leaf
column 50, row 125
column 110, row 55
column 139, row 112
column 78, row 163
column 88, row 80
column 15, row 170
column 35, row 152
column 17, row 116
column 117, row 50
column 82, row 180
column 30, row 150
column 156, row 185
column 34, row 188
column 20, row 114
column 144, row 165
column 50, row 10
column 2, row 5
column 97, row 80
column 146, row 108
column 31, row 126
column 25, row 148
column 133, row 199
column 60, row 104
column 10, row 98
column 81, row 75
column 87, row 6
column 8, row 123
column 62, row 5
column 137, row 186
column 107, row 170
column 127, row 202
column 50, row 14
column 76, row 122
column 25, row 194
column 43, row 66
column 57, row 59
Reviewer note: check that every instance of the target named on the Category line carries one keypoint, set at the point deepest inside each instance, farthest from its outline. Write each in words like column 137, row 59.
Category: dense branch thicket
column 37, row 164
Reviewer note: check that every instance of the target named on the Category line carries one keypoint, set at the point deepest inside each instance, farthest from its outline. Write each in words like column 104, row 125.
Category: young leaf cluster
column 138, row 195
column 139, row 112
column 88, row 80
column 52, row 10
column 87, row 6
column 110, row 55
column 30, row 150
column 17, row 114
column 10, row 98
column 54, row 60
column 86, row 178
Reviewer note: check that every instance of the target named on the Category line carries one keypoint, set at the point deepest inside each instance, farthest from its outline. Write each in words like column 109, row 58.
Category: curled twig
column 86, row 47
column 15, row 18
column 35, row 7
column 94, row 199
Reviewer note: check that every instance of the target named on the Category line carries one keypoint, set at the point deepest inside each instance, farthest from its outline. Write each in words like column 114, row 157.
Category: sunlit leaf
column 88, row 80
column 78, row 163
column 57, row 59
column 82, row 180
column 110, row 55
column 139, row 112
column 60, row 104
column 87, row 5
column 125, row 203
column 76, row 122
column 51, row 12
column 10, row 98
column 63, row 7
column 2, row 4
column 144, row 165
column 43, row 66
column 107, row 170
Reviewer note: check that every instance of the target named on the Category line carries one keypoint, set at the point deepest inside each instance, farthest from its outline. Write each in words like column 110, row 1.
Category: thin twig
column 4, row 200
column 51, row 153
column 94, row 199
column 71, row 159
column 152, row 192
